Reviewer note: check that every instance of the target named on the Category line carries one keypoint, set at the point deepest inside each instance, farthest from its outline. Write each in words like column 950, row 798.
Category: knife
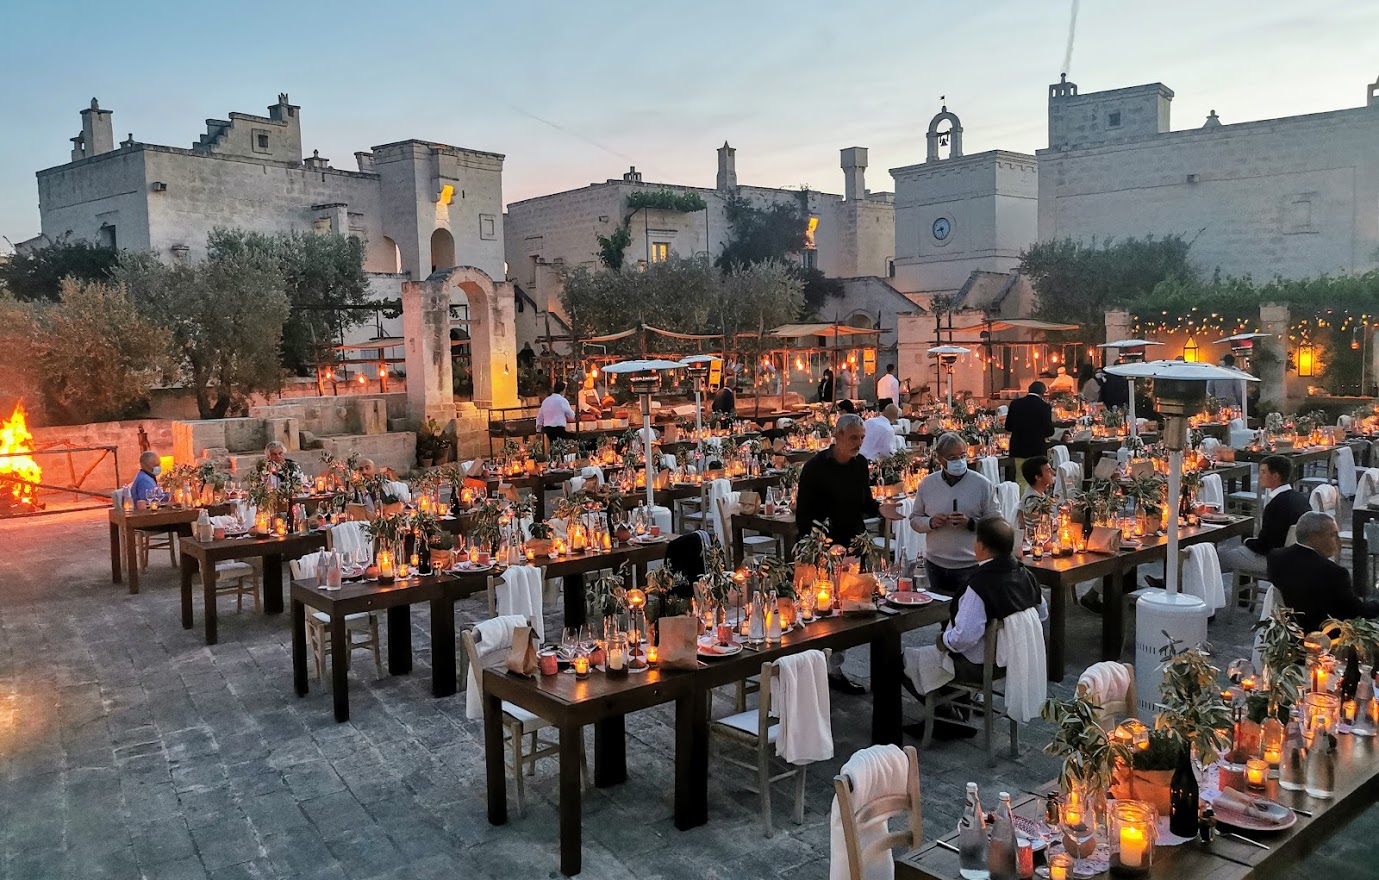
column 1244, row 839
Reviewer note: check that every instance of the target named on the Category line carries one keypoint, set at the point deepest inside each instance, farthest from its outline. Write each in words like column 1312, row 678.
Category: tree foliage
column 225, row 317
column 37, row 275
column 773, row 232
column 1076, row 282
column 612, row 248
column 89, row 357
column 323, row 276
column 666, row 200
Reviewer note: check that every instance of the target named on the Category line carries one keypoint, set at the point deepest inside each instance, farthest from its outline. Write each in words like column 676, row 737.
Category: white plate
column 716, row 650
column 909, row 598
column 648, row 539
column 467, row 566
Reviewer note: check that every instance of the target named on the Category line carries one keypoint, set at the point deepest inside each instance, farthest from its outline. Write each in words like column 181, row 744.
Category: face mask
column 157, row 469
column 956, row 468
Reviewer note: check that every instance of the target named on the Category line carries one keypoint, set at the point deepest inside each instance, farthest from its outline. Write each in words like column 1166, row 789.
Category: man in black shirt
column 835, row 487
column 1310, row 582
column 1030, row 423
column 725, row 401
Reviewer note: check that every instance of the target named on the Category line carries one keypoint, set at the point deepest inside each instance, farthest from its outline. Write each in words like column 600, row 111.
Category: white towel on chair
column 1325, row 499
column 874, row 772
column 1058, row 455
column 719, row 489
column 399, row 490
column 928, row 668
column 668, row 462
column 1107, row 682
column 1345, row 471
column 592, row 473
column 1008, row 500
column 989, row 467
column 1068, row 479
column 1239, row 436
column 1202, row 576
column 1212, row 492
column 800, row 700
column 1209, row 445
column 1266, row 610
column 224, row 522
column 1020, row 649
column 352, row 537
column 1343, row 421
column 494, row 635
column 519, row 594
column 1367, row 487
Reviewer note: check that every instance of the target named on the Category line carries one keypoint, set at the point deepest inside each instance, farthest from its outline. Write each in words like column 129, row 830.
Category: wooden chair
column 520, row 724
column 361, row 631
column 854, row 814
column 230, row 577
column 758, row 729
column 146, row 539
column 1111, row 708
column 964, row 695
column 751, row 544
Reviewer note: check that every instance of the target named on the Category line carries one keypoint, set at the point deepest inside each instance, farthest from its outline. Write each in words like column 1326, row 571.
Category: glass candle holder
column 1134, row 829
column 1319, row 709
column 581, row 665
column 1061, row 867
column 1256, row 772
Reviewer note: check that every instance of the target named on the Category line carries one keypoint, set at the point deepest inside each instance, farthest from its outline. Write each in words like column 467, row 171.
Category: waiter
column 835, row 487
column 1030, row 423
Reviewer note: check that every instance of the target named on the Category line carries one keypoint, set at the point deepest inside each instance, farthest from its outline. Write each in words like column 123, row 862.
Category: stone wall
column 123, row 435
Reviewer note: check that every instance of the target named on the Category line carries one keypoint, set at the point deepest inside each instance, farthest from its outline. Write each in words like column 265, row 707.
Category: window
column 260, row 141
column 1113, row 119
column 107, row 236
column 487, row 224
column 810, row 258
column 660, row 251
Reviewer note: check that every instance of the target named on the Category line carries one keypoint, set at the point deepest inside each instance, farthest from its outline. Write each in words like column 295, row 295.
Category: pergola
column 1006, row 351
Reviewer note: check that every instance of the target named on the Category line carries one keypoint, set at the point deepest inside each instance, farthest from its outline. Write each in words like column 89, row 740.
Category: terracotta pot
column 371, row 571
column 393, row 509
column 440, row 559
column 539, row 546
column 1150, row 786
column 623, row 534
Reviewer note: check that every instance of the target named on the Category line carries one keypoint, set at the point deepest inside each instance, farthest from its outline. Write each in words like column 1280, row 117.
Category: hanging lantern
column 1306, row 359
column 1192, row 352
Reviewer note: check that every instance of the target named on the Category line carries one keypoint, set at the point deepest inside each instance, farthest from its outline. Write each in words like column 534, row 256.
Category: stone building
column 850, row 236
column 1292, row 197
column 420, row 206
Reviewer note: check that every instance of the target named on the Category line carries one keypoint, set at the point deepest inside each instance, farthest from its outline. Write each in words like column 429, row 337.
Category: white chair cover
column 1058, row 455
column 989, row 467
column 1345, row 471
column 1068, row 479
column 1212, row 491
column 1367, row 487
column 1008, row 500
column 1326, row 499
column 1202, row 576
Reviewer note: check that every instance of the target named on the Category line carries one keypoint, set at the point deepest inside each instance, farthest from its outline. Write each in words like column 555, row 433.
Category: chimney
column 727, row 168
column 97, row 131
column 632, row 175
column 854, row 161
column 365, row 161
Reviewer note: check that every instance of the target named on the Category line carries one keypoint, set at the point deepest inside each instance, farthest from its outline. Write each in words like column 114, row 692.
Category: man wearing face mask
column 145, row 485
column 948, row 505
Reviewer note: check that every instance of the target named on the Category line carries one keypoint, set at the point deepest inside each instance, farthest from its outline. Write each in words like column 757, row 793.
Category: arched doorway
column 442, row 249
column 392, row 256
column 861, row 320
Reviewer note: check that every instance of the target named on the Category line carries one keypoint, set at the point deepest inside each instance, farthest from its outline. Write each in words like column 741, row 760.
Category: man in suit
column 1283, row 505
column 1030, row 423
column 1308, row 579
column 1115, row 390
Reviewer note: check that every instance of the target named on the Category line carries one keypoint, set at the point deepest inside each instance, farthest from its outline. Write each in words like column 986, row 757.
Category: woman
column 826, row 387
column 1087, row 382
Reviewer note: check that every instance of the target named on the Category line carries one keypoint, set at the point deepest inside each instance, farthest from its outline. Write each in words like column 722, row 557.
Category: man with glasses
column 948, row 505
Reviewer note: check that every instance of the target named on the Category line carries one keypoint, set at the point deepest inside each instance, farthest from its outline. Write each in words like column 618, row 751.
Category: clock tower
column 956, row 214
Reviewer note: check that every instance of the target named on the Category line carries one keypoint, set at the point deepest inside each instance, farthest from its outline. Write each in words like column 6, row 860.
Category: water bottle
column 1002, row 862
column 773, row 634
column 756, row 627
column 972, row 839
column 1321, row 765
column 1292, row 773
column 333, row 572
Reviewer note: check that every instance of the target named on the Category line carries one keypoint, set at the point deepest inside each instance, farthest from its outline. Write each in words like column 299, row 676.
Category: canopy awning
column 832, row 331
column 611, row 337
column 674, row 335
column 1015, row 324
column 385, row 342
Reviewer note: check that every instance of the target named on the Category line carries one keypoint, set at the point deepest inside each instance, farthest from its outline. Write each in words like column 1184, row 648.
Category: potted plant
column 442, row 546
column 717, row 585
column 1089, row 755
column 1150, row 771
column 606, row 595
column 1192, row 706
column 1281, row 657
column 540, row 538
column 1353, row 642
column 667, row 593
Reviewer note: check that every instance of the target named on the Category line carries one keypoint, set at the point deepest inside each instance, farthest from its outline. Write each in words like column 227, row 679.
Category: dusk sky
column 655, row 84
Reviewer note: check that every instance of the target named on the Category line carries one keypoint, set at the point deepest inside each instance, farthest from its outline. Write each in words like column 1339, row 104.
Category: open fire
column 19, row 473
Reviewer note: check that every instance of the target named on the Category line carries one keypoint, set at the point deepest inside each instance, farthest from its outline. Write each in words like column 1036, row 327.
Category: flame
column 15, row 443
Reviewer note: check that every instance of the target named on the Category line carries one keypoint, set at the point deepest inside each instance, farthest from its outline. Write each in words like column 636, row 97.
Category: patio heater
column 1161, row 616
column 697, row 366
column 1243, row 347
column 948, row 356
column 1131, row 351
column 644, row 378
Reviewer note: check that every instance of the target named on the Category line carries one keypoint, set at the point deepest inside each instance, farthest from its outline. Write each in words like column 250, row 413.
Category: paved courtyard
column 129, row 749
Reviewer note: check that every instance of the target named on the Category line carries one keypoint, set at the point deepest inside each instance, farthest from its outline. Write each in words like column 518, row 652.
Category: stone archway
column 493, row 342
column 442, row 249
column 953, row 136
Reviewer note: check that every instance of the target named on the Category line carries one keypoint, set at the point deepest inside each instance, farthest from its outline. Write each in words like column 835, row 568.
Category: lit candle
column 581, row 667
column 414, row 561
column 1132, row 845
column 1060, row 867
column 531, row 555
column 1348, row 711
column 1272, row 755
column 615, row 658
column 653, row 655
column 1256, row 772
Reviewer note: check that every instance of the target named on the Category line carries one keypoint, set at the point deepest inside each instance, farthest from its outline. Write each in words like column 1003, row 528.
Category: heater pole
column 1175, row 483
column 650, row 465
column 1130, row 421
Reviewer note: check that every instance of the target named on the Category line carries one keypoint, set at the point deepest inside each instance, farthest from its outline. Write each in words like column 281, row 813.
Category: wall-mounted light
column 1306, row 359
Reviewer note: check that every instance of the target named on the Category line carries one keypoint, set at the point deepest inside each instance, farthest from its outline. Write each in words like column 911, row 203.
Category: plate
column 472, row 566
column 648, row 539
column 909, row 598
column 1226, row 816
column 712, row 650
column 1217, row 519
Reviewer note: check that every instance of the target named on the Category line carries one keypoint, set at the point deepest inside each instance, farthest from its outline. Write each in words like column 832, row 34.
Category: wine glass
column 569, row 642
column 1079, row 835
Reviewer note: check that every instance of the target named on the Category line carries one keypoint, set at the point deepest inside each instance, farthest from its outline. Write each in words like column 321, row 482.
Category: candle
column 531, row 555
column 1060, row 867
column 1272, row 755
column 414, row 561
column 1348, row 711
column 1132, row 845
column 581, row 667
column 653, row 655
column 615, row 658
column 1256, row 772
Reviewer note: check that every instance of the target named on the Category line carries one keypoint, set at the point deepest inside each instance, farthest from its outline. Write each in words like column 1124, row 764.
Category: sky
column 575, row 92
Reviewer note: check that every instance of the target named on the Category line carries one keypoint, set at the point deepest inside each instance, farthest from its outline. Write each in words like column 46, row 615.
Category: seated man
column 725, row 401
column 846, row 406
column 879, row 441
column 1308, row 579
column 1000, row 587
column 1283, row 505
column 144, row 487
column 1039, row 479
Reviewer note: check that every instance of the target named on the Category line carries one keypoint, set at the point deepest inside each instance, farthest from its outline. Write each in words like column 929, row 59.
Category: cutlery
column 946, row 845
column 1244, row 839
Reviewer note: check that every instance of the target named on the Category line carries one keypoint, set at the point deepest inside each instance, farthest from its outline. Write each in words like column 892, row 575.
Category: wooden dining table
column 570, row 704
column 782, row 525
column 126, row 524
column 203, row 555
column 1225, row 858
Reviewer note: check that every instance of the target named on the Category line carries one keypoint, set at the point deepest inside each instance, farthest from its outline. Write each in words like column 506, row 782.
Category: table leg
column 1112, row 616
column 340, row 666
column 574, row 600
column 737, row 543
column 299, row 677
column 886, row 669
column 116, row 548
column 400, row 639
column 493, row 761
column 539, row 511
column 188, row 566
column 1058, row 613
column 610, row 751
column 1359, row 552
column 692, row 759
column 131, row 555
column 273, row 584
column 442, row 647
column 208, row 600
column 571, row 808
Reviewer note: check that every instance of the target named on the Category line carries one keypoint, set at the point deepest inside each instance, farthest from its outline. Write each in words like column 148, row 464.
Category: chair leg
column 740, row 704
column 1014, row 739
column 518, row 760
column 929, row 701
column 988, row 722
column 764, row 780
column 172, row 549
column 258, row 589
column 799, row 795
column 531, row 749
column 239, row 596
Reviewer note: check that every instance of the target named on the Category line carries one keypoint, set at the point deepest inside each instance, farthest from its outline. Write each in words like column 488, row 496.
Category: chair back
column 1213, row 491
column 469, row 641
column 725, row 506
column 1326, row 499
column 1111, row 687
column 854, row 815
column 1068, row 480
column 117, row 497
column 1008, row 500
column 771, row 672
column 1367, row 487
column 1058, row 455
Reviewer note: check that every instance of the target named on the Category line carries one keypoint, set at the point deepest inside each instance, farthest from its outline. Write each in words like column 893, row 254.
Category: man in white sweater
column 948, row 505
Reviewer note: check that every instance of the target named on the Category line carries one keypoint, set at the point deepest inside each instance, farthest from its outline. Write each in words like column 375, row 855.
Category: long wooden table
column 1061, row 573
column 204, row 555
column 125, row 524
column 783, row 525
column 570, row 704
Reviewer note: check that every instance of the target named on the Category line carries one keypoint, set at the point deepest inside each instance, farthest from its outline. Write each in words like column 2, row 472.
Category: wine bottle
column 1183, row 797
column 972, row 839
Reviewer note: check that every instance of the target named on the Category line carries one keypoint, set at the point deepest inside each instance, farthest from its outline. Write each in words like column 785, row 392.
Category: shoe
column 1153, row 582
column 1091, row 600
column 843, row 685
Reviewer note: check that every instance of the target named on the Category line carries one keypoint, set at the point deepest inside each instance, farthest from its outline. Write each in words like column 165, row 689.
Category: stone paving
column 129, row 749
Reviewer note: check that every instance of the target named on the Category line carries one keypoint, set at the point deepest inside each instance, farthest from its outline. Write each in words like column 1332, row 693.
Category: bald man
column 145, row 484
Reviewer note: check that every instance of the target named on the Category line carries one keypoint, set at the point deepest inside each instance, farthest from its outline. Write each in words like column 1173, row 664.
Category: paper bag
column 677, row 642
column 1103, row 539
column 1106, row 468
column 805, row 575
column 522, row 655
column 357, row 512
column 1225, row 454
column 1141, row 469
column 509, row 491
column 476, row 468
column 855, row 592
column 748, row 502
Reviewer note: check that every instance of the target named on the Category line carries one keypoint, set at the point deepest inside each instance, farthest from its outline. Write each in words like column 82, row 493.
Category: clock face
column 942, row 227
